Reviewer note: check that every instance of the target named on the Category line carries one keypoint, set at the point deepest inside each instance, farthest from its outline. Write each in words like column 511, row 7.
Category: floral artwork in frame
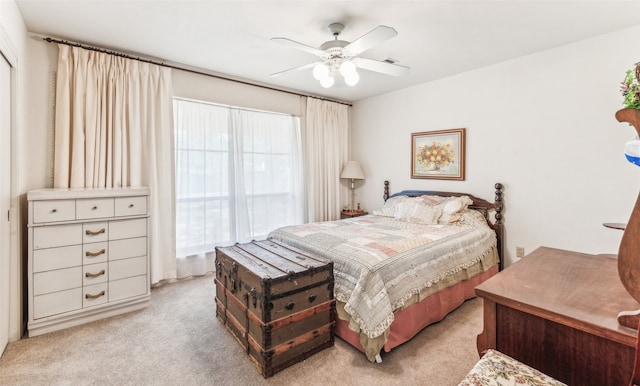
column 438, row 154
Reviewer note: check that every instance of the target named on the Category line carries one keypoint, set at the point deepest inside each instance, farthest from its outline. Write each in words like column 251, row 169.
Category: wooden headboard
column 483, row 206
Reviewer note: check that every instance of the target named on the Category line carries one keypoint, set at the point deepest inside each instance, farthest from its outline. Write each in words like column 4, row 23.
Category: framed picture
column 438, row 154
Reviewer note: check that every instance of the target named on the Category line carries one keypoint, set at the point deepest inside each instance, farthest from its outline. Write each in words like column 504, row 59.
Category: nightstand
column 350, row 213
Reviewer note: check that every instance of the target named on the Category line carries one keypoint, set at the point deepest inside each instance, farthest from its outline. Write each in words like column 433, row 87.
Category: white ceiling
column 435, row 38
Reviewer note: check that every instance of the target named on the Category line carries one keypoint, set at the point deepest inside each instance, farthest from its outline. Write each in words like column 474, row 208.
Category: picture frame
column 438, row 154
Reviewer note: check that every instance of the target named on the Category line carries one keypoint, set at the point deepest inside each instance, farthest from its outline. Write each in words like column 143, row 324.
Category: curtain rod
column 182, row 68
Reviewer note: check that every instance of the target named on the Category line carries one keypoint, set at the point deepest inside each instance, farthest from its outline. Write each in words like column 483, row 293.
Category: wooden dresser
column 556, row 311
column 88, row 255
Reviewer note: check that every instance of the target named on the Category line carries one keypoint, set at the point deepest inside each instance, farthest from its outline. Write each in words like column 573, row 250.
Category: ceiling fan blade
column 300, row 46
column 382, row 67
column 306, row 66
column 370, row 39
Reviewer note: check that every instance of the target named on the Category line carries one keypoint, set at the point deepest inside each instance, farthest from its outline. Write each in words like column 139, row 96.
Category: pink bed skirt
column 408, row 322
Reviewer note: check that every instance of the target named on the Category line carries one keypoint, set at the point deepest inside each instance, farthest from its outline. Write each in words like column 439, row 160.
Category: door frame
column 5, row 206
column 16, row 296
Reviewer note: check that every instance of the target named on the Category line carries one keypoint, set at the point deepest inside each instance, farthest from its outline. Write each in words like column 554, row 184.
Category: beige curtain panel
column 325, row 148
column 114, row 128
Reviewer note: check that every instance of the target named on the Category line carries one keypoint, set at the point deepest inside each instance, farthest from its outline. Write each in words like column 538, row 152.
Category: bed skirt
column 411, row 320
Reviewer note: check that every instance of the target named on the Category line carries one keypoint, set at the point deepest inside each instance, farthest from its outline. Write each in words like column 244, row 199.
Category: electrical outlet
column 519, row 251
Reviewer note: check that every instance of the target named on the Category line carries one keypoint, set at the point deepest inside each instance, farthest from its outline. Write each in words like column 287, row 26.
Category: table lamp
column 353, row 171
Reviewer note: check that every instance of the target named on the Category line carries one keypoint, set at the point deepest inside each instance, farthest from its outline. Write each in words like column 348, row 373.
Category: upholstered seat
column 496, row 368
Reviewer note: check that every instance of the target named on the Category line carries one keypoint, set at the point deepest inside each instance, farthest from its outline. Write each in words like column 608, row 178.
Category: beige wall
column 543, row 125
column 201, row 87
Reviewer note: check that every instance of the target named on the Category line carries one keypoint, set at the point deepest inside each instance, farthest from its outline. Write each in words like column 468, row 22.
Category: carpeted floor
column 179, row 341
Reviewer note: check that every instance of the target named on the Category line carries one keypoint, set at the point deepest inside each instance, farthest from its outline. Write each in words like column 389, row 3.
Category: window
column 237, row 174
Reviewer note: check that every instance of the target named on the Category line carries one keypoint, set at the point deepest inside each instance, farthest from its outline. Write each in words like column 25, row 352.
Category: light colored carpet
column 179, row 341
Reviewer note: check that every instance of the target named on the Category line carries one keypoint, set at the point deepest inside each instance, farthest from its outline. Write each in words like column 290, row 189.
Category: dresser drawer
column 57, row 236
column 95, row 253
column 94, row 208
column 122, row 249
column 56, row 258
column 54, row 210
column 126, row 229
column 58, row 280
column 57, row 303
column 130, row 206
column 94, row 295
column 94, row 232
column 94, row 274
column 121, row 269
column 126, row 288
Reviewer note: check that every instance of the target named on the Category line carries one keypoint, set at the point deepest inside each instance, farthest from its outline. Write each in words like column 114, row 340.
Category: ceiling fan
column 341, row 57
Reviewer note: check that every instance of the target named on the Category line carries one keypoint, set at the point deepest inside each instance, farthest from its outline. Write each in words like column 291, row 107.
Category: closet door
column 5, row 198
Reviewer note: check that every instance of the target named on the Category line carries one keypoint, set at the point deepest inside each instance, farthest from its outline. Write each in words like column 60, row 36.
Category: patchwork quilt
column 380, row 262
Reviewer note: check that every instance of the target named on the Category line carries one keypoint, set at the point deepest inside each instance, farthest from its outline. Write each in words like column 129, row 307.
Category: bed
column 407, row 264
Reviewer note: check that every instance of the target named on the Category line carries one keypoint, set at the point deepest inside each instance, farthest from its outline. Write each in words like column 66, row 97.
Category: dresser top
column 575, row 289
column 70, row 193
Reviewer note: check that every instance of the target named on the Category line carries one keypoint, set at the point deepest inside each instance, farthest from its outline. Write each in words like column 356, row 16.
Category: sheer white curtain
column 113, row 128
column 238, row 176
column 325, row 149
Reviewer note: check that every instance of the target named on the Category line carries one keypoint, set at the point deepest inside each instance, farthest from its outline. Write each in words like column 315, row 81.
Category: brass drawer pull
column 89, row 274
column 93, row 233
column 89, row 296
column 94, row 254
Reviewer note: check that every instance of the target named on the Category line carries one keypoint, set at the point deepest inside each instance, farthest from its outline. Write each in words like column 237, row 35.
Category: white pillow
column 432, row 200
column 389, row 207
column 416, row 211
column 452, row 209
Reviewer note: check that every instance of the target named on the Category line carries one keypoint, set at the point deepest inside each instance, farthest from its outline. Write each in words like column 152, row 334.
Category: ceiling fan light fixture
column 327, row 81
column 342, row 57
column 320, row 71
column 352, row 79
column 347, row 68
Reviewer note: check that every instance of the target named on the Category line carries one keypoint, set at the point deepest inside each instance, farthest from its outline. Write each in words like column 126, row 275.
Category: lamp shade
column 353, row 170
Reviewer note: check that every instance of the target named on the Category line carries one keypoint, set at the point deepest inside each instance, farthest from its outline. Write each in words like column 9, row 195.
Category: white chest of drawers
column 88, row 255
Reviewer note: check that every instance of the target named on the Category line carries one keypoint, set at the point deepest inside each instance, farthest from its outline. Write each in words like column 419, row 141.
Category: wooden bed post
column 385, row 196
column 499, row 225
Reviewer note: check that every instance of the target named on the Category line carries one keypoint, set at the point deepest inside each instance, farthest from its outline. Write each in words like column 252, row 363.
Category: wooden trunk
column 276, row 300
